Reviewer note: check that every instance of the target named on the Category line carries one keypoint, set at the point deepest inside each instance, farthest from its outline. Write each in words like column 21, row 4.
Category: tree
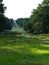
column 21, row 21
column 45, row 2
column 10, row 23
column 28, row 25
column 2, row 16
column 40, row 18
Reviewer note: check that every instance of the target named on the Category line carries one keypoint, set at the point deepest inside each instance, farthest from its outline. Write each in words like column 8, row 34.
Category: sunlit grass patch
column 45, row 45
column 42, row 36
column 23, row 50
column 38, row 51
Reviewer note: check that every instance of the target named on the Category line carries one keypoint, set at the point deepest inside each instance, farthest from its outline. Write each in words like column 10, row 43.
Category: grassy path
column 22, row 50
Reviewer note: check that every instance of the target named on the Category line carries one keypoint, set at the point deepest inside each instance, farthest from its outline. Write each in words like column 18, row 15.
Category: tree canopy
column 2, row 16
column 5, row 23
column 1, row 1
column 40, row 19
column 21, row 21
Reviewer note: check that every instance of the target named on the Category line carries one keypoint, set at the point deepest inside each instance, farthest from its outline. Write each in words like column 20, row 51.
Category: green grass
column 23, row 50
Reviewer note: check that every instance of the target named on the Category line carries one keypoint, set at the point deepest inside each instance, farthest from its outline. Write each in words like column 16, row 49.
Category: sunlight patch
column 14, row 48
column 38, row 51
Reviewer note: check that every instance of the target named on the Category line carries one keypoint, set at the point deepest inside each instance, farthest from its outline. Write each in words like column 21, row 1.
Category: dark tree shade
column 1, row 0
column 2, row 22
column 10, row 24
column 2, row 17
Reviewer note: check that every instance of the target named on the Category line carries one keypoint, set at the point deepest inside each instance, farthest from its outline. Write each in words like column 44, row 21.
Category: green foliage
column 43, row 18
column 28, row 27
column 3, row 19
column 2, row 7
column 10, row 23
column 46, row 2
column 40, row 18
column 21, row 21
column 2, row 22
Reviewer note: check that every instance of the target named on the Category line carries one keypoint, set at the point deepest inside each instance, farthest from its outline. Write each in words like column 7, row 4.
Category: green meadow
column 24, row 50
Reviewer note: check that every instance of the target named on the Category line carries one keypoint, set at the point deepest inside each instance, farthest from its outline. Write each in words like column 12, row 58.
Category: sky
column 20, row 8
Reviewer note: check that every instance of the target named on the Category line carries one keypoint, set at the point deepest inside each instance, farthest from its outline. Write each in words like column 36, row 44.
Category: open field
column 21, row 50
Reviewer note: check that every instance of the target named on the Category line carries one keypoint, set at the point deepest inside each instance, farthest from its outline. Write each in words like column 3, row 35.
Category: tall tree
column 40, row 18
column 2, row 16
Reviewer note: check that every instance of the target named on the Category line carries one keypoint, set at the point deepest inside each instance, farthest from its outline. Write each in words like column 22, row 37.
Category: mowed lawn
column 21, row 50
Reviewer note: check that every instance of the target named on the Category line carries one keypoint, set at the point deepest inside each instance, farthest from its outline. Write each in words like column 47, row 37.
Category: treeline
column 39, row 21
column 20, row 21
column 5, row 23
